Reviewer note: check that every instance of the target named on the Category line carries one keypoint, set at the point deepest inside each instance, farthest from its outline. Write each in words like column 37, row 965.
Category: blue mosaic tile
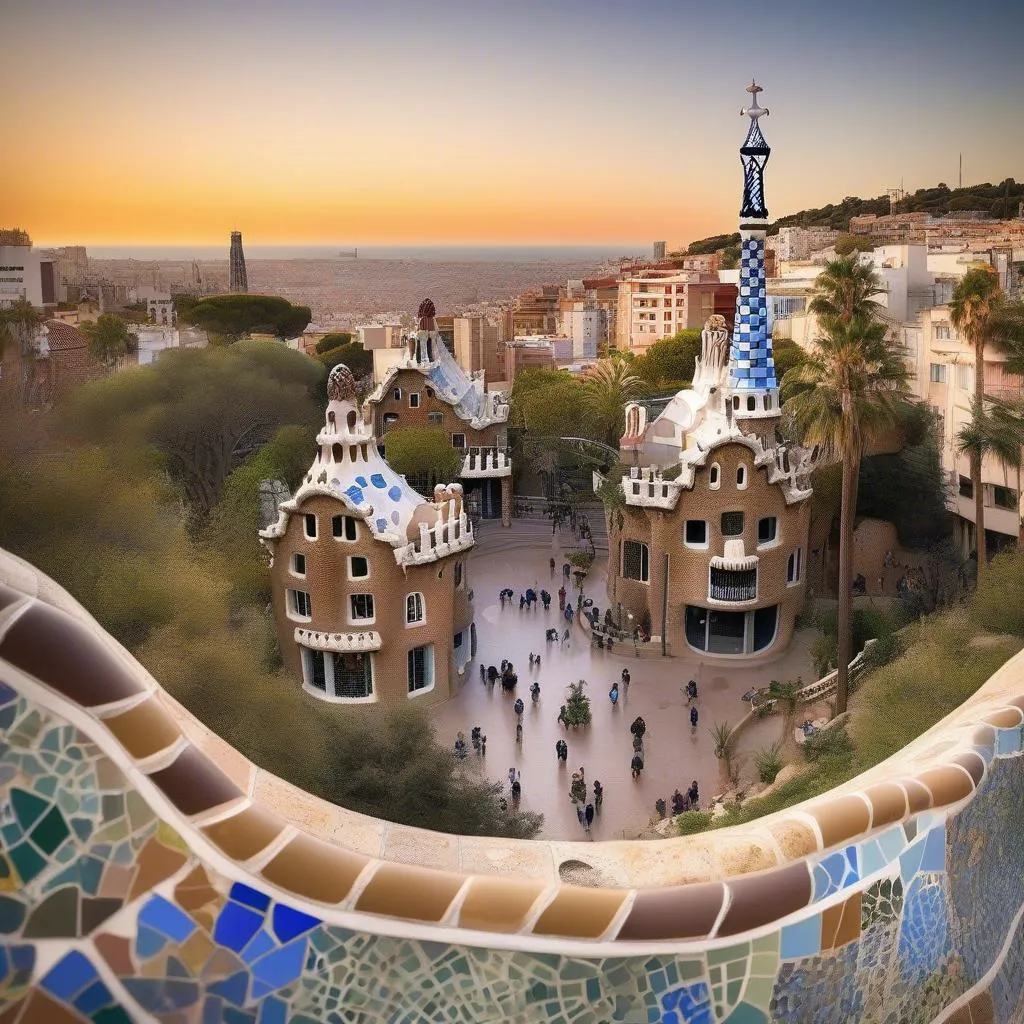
column 279, row 968
column 234, row 988
column 236, row 925
column 260, row 944
column 1008, row 741
column 910, row 860
column 290, row 923
column 688, row 1004
column 249, row 897
column 164, row 917
column 94, row 998
column 69, row 976
column 801, row 939
column 924, row 929
column 934, row 856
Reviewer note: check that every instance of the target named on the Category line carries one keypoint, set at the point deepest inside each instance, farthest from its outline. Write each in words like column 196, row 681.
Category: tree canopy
column 203, row 410
column 332, row 340
column 670, row 363
column 424, row 454
column 547, row 403
column 350, row 353
column 233, row 316
column 110, row 339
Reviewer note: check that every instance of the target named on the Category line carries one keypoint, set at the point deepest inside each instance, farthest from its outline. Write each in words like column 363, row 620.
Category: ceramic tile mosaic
column 109, row 914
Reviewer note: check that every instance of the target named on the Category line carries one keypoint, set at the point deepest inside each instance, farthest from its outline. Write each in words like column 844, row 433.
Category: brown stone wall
column 329, row 588
column 688, row 572
column 414, row 381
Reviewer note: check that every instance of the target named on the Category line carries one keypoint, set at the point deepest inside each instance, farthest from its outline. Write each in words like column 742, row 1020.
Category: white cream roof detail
column 349, row 468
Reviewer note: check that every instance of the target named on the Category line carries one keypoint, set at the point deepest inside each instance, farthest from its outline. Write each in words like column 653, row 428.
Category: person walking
column 519, row 734
column 561, row 716
column 580, row 815
column 598, row 796
column 625, row 680
column 483, row 673
column 519, row 707
column 613, row 694
column 561, row 599
column 636, row 766
column 694, row 794
column 639, row 727
column 693, row 717
column 483, row 745
column 589, row 815
column 517, row 792
column 660, row 806
column 565, row 637
column 638, row 743
column 691, row 692
column 551, row 563
column 511, row 776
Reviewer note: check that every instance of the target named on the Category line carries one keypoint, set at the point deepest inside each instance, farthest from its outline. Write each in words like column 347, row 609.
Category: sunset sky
column 478, row 121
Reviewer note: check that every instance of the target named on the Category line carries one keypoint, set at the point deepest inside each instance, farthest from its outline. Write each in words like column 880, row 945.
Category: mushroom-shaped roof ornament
column 426, row 314
column 341, row 384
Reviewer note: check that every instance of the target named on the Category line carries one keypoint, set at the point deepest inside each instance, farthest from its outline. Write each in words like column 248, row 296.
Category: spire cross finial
column 754, row 111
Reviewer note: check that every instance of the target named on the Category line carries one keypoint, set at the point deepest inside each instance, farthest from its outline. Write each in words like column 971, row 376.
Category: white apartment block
column 586, row 328
column 656, row 305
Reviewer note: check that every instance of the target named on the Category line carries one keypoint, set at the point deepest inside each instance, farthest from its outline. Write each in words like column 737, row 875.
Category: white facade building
column 21, row 276
column 798, row 243
column 586, row 328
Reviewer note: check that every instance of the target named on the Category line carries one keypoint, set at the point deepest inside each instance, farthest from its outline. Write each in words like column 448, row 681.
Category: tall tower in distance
column 752, row 387
column 238, row 282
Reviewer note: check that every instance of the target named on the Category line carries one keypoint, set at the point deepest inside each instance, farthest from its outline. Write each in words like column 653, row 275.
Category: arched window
column 741, row 476
column 351, row 419
column 715, row 476
column 415, row 610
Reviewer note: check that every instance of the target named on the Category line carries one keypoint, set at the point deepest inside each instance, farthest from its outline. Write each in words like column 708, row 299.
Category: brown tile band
column 498, row 904
column 144, row 730
column 578, row 913
column 66, row 655
column 675, row 912
column 888, row 803
column 245, row 834
column 756, row 900
column 193, row 783
column 919, row 797
column 947, row 784
column 401, row 890
column 974, row 763
column 841, row 818
column 317, row 870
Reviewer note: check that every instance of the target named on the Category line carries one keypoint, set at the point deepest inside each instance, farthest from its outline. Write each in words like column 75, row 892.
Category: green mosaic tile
column 720, row 956
column 51, row 831
column 689, row 970
column 767, row 943
column 28, row 808
column 27, row 861
column 759, row 992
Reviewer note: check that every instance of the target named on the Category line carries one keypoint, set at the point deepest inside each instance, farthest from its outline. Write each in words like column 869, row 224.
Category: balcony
column 733, row 585
column 486, row 461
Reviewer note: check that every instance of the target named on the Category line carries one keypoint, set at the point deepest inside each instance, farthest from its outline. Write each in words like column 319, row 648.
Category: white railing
column 454, row 533
column 486, row 460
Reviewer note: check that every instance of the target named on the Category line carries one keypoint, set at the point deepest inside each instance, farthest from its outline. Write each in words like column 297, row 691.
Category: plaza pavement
column 674, row 753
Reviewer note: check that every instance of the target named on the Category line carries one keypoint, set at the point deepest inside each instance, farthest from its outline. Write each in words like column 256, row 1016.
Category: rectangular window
column 937, row 373
column 1004, row 497
column 299, row 564
column 414, row 399
column 793, row 566
column 767, row 529
column 732, row 524
column 965, row 377
column 942, row 332
column 458, row 440
column 353, row 675
column 435, row 419
column 696, row 535
column 358, row 567
column 421, row 668
column 344, row 527
column 314, row 666
column 310, row 522
column 966, row 487
column 457, row 642
column 299, row 604
column 361, row 607
column 458, row 574
column 635, row 565
column 414, row 610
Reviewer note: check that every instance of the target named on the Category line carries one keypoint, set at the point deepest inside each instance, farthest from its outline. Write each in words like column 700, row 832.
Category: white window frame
column 645, row 550
column 707, row 535
column 343, row 539
column 293, row 602
column 964, row 377
column 435, row 419
column 715, row 476
column 794, row 567
column 306, row 517
column 414, row 399
column 351, row 573
column 293, row 565
column 937, row 373
column 775, row 533
column 359, row 621
column 432, row 671
column 421, row 601
column 397, row 394
column 329, row 693
column 460, row 445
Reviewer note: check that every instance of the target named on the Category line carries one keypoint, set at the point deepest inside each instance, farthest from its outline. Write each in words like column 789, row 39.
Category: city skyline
column 484, row 123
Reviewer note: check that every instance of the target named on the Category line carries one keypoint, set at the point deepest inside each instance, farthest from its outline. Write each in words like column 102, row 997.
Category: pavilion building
column 421, row 385
column 708, row 550
column 370, row 590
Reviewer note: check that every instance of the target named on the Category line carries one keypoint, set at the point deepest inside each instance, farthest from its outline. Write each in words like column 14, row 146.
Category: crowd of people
column 681, row 802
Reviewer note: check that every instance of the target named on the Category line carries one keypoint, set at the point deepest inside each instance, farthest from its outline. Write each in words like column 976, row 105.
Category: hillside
column 1000, row 201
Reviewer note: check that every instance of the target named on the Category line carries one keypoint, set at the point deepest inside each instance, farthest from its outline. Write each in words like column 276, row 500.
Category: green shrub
column 828, row 743
column 998, row 605
column 577, row 705
column 693, row 821
column 769, row 762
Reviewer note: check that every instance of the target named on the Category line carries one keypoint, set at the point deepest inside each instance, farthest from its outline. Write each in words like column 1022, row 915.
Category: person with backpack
column 694, row 794
column 693, row 717
column 598, row 796
column 691, row 691
column 588, row 814
column 636, row 766
column 519, row 707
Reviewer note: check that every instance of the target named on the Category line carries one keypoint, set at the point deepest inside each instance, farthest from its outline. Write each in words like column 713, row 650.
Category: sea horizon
column 433, row 253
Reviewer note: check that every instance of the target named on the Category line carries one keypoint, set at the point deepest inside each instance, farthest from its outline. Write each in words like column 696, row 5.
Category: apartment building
column 478, row 344
column 656, row 304
column 795, row 243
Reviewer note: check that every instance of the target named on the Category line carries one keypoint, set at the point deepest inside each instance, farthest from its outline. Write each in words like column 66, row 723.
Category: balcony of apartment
column 486, row 461
column 1001, row 503
column 732, row 578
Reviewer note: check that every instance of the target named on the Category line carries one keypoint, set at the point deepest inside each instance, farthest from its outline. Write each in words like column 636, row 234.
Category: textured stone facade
column 664, row 532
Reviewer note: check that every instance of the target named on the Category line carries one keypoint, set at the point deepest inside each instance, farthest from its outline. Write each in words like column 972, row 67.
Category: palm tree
column 607, row 387
column 984, row 316
column 997, row 429
column 845, row 289
column 857, row 383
